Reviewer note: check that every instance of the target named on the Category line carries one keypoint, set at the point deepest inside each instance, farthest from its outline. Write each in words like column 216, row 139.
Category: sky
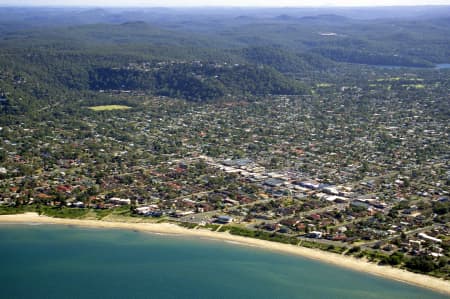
column 236, row 3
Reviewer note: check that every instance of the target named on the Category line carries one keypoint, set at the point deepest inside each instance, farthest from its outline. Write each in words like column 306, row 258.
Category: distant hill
column 325, row 18
column 285, row 61
column 202, row 54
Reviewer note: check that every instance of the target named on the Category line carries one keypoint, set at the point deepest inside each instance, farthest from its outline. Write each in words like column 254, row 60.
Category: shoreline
column 387, row 272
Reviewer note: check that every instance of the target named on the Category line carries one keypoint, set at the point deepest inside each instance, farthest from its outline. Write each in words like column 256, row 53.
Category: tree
column 395, row 259
column 421, row 263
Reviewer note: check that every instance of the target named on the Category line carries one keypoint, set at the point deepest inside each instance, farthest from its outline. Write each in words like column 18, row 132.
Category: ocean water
column 49, row 261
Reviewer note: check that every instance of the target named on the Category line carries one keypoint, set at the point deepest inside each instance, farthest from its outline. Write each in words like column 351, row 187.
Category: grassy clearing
column 417, row 86
column 388, row 79
column 109, row 107
column 324, row 85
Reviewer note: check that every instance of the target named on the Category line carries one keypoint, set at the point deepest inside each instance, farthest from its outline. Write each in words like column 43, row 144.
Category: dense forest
column 50, row 56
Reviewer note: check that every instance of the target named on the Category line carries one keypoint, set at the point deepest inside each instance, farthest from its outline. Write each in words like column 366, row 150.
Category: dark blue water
column 65, row 262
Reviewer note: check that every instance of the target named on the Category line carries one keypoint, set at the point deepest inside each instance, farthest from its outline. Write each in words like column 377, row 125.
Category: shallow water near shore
column 51, row 261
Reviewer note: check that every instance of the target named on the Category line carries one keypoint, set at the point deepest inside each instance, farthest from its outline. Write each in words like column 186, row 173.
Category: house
column 64, row 188
column 78, row 204
column 143, row 210
column 315, row 235
column 237, row 162
column 290, row 222
column 204, row 207
column 274, row 182
column 379, row 205
column 224, row 219
column 331, row 190
column 120, row 201
column 310, row 184
column 272, row 226
column 316, row 217
column 429, row 238
column 416, row 245
column 230, row 201
column 359, row 203
column 342, row 229
column 44, row 196
column 339, row 237
column 300, row 226
column 180, row 214
column 157, row 213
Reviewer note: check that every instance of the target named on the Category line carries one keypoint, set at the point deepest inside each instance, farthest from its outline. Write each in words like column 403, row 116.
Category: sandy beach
column 424, row 281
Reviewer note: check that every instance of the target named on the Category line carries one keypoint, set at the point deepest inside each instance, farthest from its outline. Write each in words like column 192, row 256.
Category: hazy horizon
column 222, row 3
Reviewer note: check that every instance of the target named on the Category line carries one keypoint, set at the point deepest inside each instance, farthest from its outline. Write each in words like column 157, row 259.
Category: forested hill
column 196, row 80
column 54, row 55
column 42, row 64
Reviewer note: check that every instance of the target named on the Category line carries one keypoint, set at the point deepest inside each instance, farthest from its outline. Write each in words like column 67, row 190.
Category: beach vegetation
column 11, row 210
column 353, row 250
column 63, row 212
column 189, row 225
column 394, row 259
column 423, row 264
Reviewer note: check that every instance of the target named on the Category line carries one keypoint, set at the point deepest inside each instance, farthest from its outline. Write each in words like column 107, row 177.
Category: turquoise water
column 65, row 262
